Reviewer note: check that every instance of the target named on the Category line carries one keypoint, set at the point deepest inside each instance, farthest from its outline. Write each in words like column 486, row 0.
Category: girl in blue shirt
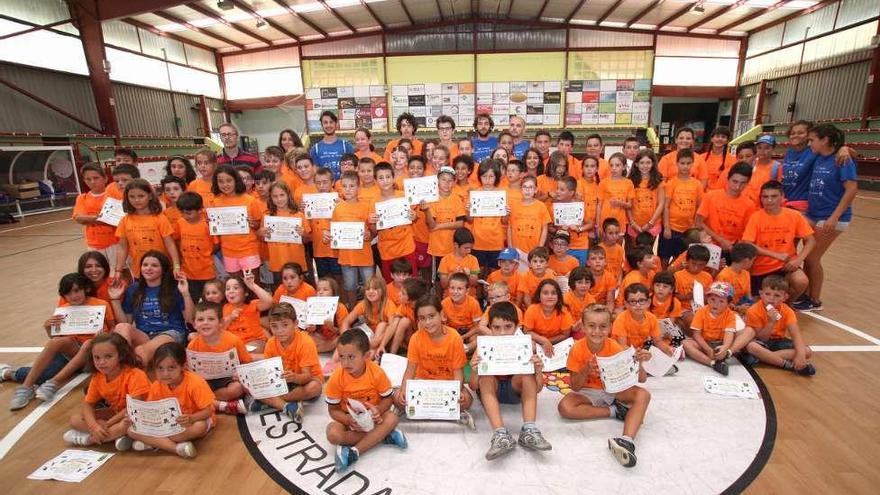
column 155, row 309
column 797, row 165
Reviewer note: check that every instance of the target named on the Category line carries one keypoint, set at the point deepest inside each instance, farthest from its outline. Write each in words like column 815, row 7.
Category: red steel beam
column 644, row 12
column 409, row 16
column 159, row 32
column 791, row 16
column 213, row 15
column 184, row 23
column 114, row 9
column 684, row 10
column 281, row 29
column 440, row 10
column 302, row 18
column 338, row 17
column 540, row 12
column 753, row 15
column 373, row 15
column 718, row 13
column 35, row 28
column 608, row 12
column 574, row 11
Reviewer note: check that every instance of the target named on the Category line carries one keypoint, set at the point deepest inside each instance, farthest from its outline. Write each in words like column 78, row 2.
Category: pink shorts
column 655, row 231
column 233, row 265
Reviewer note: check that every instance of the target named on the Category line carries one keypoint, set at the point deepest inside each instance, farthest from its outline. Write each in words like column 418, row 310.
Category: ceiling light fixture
column 698, row 9
column 225, row 5
column 261, row 23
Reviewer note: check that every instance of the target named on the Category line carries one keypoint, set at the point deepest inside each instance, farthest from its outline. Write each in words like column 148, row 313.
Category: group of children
column 445, row 279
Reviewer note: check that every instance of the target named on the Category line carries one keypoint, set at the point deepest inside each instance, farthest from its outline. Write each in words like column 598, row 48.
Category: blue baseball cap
column 508, row 254
column 766, row 139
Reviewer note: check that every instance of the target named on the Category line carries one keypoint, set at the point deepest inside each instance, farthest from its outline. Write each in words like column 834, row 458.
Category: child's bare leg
column 350, row 296
column 576, row 406
column 233, row 391
column 56, row 345
column 686, row 318
column 303, row 392
column 378, row 433
column 693, row 351
column 400, row 333
column 259, row 346
column 467, row 399
column 339, row 434
column 489, row 395
column 169, row 444
column 275, row 403
column 527, row 388
column 638, row 399
column 742, row 339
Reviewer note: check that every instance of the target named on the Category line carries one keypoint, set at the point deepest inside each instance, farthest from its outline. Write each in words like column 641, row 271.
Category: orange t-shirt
column 436, row 359
column 621, row 189
column 421, row 234
column 98, row 235
column 192, row 393
column 461, row 315
column 329, row 332
column 451, row 263
column 602, row 285
column 303, row 292
column 196, row 249
column 526, row 224
column 581, row 354
column 394, row 143
column 369, row 193
column 684, row 284
column 741, row 282
column 113, row 191
column 760, row 174
column 575, row 167
column 485, row 317
column 173, row 215
column 109, row 320
column 757, row 318
column 775, row 233
column 725, row 215
column 514, row 194
column 369, row 154
column 634, row 277
column 374, row 318
column 635, row 332
column 247, row 326
column 202, row 188
column 576, row 305
column 490, row 233
column 614, row 259
column 321, row 247
column 130, row 381
column 298, row 354
column 588, row 192
column 396, row 242
column 512, row 281
column 240, row 245
column 684, row 198
column 528, row 282
column 712, row 327
column 445, row 210
column 666, row 309
column 354, row 211
column 284, row 252
column 143, row 233
column 563, row 266
column 546, row 185
column 227, row 341
column 300, row 191
column 717, row 177
column 668, row 167
column 645, row 203
column 534, row 320
column 393, row 293
column 369, row 388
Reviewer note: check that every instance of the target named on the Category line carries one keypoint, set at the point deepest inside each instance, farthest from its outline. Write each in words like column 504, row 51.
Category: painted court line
column 845, row 348
column 14, row 350
column 31, row 419
column 35, row 225
column 842, row 326
column 868, row 197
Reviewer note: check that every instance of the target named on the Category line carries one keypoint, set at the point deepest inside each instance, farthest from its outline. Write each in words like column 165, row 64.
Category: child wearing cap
column 560, row 261
column 445, row 216
column 765, row 168
column 715, row 336
column 508, row 270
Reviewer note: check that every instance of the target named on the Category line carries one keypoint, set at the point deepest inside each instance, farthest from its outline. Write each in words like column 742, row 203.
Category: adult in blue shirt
column 483, row 143
column 154, row 310
column 517, row 129
column 832, row 189
column 328, row 151
column 797, row 165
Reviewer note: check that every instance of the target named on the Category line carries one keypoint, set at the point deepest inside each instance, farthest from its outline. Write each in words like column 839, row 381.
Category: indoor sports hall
column 240, row 238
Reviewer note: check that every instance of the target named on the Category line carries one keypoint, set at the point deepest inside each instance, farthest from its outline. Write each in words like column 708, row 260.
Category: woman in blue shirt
column 155, row 309
column 797, row 165
column 830, row 194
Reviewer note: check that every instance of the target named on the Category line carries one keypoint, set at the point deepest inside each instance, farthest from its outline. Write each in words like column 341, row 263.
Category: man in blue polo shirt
column 483, row 143
column 328, row 151
column 232, row 154
column 518, row 131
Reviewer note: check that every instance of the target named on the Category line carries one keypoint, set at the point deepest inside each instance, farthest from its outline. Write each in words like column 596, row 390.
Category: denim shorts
column 505, row 392
column 350, row 275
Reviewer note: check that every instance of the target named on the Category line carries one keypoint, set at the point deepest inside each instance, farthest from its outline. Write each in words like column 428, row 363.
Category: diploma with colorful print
column 228, row 220
column 433, row 399
column 568, row 214
column 111, row 212
column 488, row 203
column 392, row 213
column 212, row 365
column 283, row 229
column 347, row 235
column 421, row 189
column 155, row 418
column 505, row 354
column 263, row 379
column 319, row 205
column 620, row 371
column 79, row 320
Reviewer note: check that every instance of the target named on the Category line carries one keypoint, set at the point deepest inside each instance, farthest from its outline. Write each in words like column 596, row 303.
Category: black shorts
column 757, row 280
column 218, row 383
column 774, row 345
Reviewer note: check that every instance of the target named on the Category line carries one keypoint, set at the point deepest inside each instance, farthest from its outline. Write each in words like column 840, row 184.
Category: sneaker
column 621, row 408
column 139, row 446
column 532, row 439
column 467, row 419
column 21, row 397
column 721, row 367
column 345, row 457
column 46, row 391
column 748, row 359
column 807, row 304
column 76, row 437
column 396, row 437
column 808, row 370
column 6, row 372
column 186, row 450
column 295, row 410
column 624, row 451
column 235, row 407
column 672, row 370
column 123, row 443
column 502, row 443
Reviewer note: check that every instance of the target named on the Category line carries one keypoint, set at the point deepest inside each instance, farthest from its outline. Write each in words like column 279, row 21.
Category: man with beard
column 518, row 130
column 328, row 151
column 483, row 143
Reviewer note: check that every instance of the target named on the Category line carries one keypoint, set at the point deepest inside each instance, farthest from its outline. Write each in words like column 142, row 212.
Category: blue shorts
column 487, row 259
column 774, row 345
column 327, row 266
column 671, row 248
column 179, row 336
column 505, row 392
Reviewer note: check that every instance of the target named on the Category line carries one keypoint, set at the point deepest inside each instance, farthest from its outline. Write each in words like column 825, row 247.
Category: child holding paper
column 293, row 283
column 395, row 242
column 358, row 396
column 240, row 251
column 772, row 319
column 636, row 325
column 98, row 236
column 435, row 352
column 73, row 289
column 192, row 393
column 693, row 273
column 490, row 233
column 302, row 367
column 715, row 336
column 421, row 230
column 547, row 319
column 326, row 335
column 354, row 262
column 197, row 245
column 281, row 204
column 211, row 338
column 375, row 309
column 245, row 300
column 325, row 256
column 495, row 390
column 403, row 324
column 664, row 304
column 589, row 399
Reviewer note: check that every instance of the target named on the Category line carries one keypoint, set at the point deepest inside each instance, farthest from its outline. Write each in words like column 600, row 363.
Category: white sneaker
column 186, row 450
column 46, row 391
column 76, row 437
column 123, row 443
column 6, row 372
column 139, row 446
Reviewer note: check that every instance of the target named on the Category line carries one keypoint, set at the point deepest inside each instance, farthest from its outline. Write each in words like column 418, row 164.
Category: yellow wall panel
column 537, row 66
column 343, row 72
column 613, row 64
column 430, row 69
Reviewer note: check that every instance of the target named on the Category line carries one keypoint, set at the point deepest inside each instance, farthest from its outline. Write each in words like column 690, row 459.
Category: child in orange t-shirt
column 206, row 164
column 683, row 196
column 192, row 392
column 401, row 269
column 490, row 233
column 527, row 284
column 737, row 275
column 421, row 231
column 460, row 260
column 462, row 311
column 464, row 167
column 143, row 228
column 172, row 188
column 588, row 190
column 577, row 237
column 589, row 400
column 664, row 305
column 403, row 323
column 527, row 226
column 684, row 144
column 578, row 297
column 228, row 391
column 718, row 159
column 435, row 352
column 240, row 251
column 693, row 273
column 772, row 319
column 376, row 311
column 514, row 173
column 299, row 356
column 604, row 283
column 557, row 169
column 444, row 216
column 650, row 195
column 245, row 299
column 122, row 174
column 326, row 335
column 394, row 242
column 508, row 271
column 196, row 243
column 560, row 261
column 636, row 325
column 547, row 319
column 616, row 193
column 642, row 259
column 281, row 204
column 715, row 335
column 293, row 284
column 73, row 289
column 611, row 243
column 368, row 190
column 496, row 292
column 98, row 235
column 763, row 169
column 323, row 254
column 353, row 262
column 360, row 379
